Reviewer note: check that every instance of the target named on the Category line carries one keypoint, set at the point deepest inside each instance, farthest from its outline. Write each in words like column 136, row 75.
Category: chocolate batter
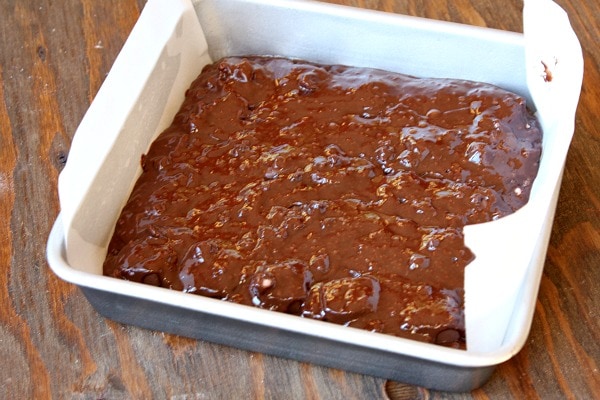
column 329, row 192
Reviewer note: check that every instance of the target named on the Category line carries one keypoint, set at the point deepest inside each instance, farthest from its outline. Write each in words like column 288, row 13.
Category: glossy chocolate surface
column 329, row 192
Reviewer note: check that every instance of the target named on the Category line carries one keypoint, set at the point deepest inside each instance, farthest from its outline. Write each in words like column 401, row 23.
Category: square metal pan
column 165, row 51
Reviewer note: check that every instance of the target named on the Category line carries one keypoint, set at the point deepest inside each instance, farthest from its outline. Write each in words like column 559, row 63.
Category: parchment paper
column 165, row 53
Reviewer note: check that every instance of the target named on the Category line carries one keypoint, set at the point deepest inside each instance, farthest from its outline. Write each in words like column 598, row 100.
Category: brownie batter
column 329, row 192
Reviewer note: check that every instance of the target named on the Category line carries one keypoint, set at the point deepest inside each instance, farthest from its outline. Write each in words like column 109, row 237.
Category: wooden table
column 53, row 57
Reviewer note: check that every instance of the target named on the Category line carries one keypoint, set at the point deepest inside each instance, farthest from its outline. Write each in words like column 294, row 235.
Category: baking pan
column 166, row 50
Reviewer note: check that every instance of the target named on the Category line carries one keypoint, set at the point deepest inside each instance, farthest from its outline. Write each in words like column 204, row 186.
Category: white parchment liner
column 131, row 108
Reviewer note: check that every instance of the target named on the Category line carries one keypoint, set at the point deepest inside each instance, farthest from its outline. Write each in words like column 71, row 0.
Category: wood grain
column 53, row 59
